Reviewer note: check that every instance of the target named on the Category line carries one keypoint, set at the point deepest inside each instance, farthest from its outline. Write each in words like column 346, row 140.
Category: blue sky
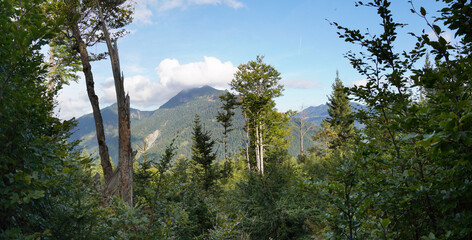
column 179, row 44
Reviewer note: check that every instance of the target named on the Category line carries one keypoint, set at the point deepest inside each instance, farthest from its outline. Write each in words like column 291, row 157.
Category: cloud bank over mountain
column 149, row 92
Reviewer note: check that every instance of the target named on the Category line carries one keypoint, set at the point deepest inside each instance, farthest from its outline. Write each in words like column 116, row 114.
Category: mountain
column 317, row 114
column 188, row 95
column 152, row 131
column 86, row 124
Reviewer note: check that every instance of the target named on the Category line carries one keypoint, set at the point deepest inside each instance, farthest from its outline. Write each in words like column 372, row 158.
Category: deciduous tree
column 258, row 84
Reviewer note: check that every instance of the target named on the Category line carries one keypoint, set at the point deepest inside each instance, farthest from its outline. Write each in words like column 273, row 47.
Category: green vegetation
column 340, row 120
column 404, row 175
column 258, row 84
column 225, row 118
column 203, row 157
column 168, row 122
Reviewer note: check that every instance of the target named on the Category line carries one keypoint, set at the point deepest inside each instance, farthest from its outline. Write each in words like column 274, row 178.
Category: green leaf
column 36, row 194
column 385, row 222
column 437, row 29
column 66, row 170
column 409, row 136
column 406, row 173
column 28, row 179
column 423, row 11
column 442, row 41
column 466, row 118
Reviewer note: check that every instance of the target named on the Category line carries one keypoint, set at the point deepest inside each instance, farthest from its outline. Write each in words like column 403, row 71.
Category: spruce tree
column 339, row 110
column 203, row 156
column 225, row 117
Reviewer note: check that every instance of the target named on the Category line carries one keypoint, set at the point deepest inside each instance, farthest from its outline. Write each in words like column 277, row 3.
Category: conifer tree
column 225, row 117
column 339, row 110
column 203, row 156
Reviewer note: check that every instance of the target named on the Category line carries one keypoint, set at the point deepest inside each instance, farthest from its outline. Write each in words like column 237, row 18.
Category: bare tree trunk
column 261, row 149
column 87, row 69
column 125, row 154
column 301, row 133
column 247, row 143
column 256, row 148
column 226, row 144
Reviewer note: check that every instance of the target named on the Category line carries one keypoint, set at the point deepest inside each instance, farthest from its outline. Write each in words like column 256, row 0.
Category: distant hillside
column 154, row 130
column 188, row 95
column 317, row 114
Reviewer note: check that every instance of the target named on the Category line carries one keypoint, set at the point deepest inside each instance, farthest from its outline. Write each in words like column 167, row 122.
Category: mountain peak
column 187, row 95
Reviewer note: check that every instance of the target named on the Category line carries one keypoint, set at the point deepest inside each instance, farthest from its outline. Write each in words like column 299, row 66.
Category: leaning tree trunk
column 87, row 69
column 125, row 154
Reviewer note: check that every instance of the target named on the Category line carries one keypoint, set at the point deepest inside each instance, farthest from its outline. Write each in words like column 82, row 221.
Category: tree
column 27, row 130
column 125, row 154
column 258, row 84
column 46, row 189
column 303, row 130
column 225, row 117
column 414, row 155
column 203, row 157
column 339, row 110
column 87, row 24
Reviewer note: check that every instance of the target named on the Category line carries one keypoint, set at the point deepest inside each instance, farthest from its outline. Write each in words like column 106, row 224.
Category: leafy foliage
column 411, row 151
column 46, row 189
column 258, row 84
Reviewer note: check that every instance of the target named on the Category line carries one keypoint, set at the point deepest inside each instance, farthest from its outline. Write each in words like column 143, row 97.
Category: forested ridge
column 405, row 174
column 154, row 130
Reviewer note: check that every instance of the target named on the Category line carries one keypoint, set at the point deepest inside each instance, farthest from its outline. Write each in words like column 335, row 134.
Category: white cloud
column 72, row 101
column 142, row 14
column 173, row 77
column 447, row 35
column 230, row 3
column 358, row 83
column 171, row 4
column 144, row 8
column 144, row 93
column 234, row 4
column 134, row 69
column 210, row 72
column 300, row 83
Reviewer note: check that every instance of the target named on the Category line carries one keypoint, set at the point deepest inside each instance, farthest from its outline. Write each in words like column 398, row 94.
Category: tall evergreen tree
column 225, row 117
column 203, row 156
column 339, row 110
